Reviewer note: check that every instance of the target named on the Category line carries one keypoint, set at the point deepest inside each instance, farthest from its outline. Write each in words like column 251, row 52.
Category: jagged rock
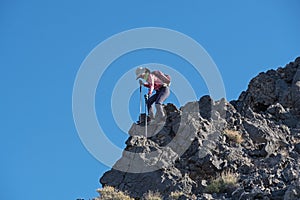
column 205, row 107
column 296, row 90
column 256, row 132
column 278, row 111
column 253, row 194
column 206, row 196
column 275, row 86
column 277, row 194
column 289, row 174
column 297, row 148
column 191, row 149
column 293, row 191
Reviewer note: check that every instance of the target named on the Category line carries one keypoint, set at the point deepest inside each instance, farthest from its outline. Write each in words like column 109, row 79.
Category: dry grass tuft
column 152, row 196
column 226, row 180
column 234, row 136
column 109, row 193
column 229, row 177
column 175, row 195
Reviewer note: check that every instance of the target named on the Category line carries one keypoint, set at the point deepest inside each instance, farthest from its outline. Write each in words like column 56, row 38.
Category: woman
column 162, row 91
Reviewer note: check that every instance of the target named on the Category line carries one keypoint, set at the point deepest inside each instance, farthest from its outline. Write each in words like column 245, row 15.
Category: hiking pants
column 159, row 97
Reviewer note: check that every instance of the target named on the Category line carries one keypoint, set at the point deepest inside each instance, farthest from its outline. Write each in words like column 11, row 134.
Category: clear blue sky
column 43, row 43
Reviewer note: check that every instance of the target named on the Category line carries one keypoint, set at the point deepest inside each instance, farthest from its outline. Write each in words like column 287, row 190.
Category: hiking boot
column 142, row 120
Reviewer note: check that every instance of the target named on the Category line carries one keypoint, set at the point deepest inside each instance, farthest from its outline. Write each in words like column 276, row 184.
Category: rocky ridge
column 195, row 146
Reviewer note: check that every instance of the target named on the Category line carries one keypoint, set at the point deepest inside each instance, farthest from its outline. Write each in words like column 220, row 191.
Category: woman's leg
column 162, row 96
column 150, row 101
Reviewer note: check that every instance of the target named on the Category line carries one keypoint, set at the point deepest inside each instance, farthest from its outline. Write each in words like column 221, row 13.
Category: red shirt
column 153, row 83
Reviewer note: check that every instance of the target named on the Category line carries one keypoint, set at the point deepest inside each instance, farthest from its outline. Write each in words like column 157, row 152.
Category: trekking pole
column 140, row 116
column 146, row 116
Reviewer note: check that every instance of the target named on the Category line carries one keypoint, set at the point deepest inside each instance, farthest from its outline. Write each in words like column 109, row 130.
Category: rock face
column 200, row 141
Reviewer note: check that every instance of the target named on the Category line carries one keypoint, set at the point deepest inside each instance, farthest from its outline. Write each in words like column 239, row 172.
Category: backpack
column 165, row 78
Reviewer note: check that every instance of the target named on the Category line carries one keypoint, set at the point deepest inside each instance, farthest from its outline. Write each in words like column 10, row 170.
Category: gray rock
column 292, row 193
column 254, row 194
column 289, row 174
column 256, row 132
column 297, row 148
column 190, row 150
column 207, row 196
column 296, row 91
column 205, row 107
column 278, row 194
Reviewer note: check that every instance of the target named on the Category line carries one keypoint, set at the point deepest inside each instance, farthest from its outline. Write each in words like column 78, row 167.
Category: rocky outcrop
column 279, row 87
column 199, row 142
